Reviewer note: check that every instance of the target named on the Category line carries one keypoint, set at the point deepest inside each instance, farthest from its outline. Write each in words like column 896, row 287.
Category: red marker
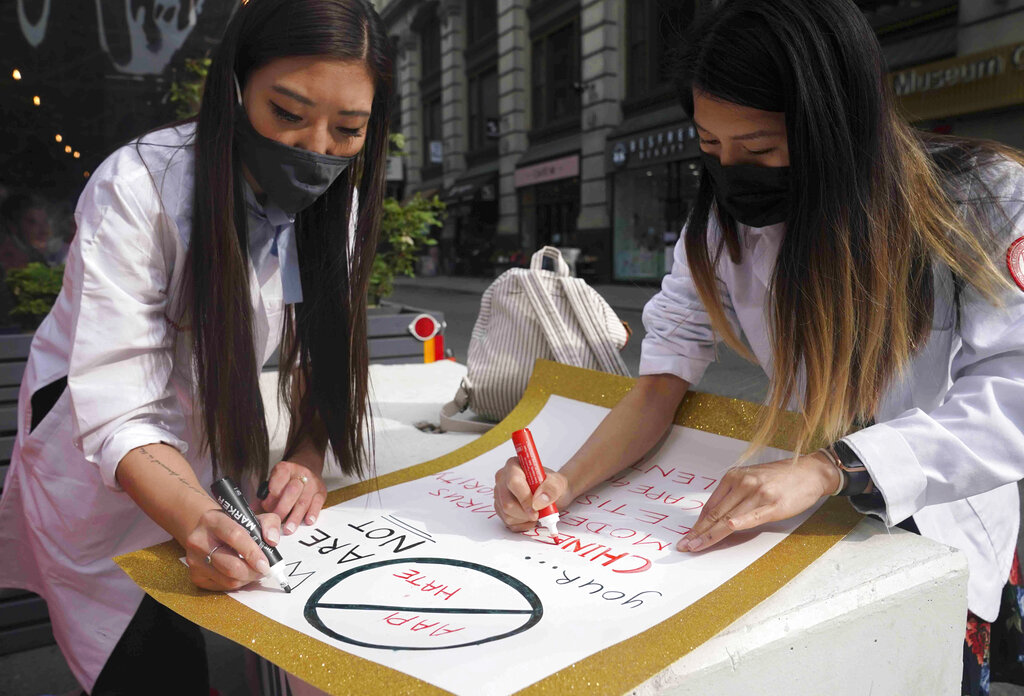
column 529, row 462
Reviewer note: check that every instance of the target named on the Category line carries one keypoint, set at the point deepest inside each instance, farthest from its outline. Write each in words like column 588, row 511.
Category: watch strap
column 858, row 480
column 830, row 455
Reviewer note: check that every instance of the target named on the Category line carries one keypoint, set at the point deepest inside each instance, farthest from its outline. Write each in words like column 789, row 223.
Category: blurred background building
column 537, row 121
column 555, row 122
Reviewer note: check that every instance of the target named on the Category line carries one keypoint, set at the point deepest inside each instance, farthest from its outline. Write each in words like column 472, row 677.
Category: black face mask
column 754, row 196
column 291, row 177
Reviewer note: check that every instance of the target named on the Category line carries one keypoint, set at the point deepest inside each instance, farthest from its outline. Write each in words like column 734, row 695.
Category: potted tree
column 33, row 290
column 405, row 232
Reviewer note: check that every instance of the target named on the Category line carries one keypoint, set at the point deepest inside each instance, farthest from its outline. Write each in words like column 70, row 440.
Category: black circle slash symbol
column 314, row 606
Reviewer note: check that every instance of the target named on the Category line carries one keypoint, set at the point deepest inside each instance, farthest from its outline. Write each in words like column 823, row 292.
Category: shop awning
column 668, row 116
column 551, row 150
column 482, row 187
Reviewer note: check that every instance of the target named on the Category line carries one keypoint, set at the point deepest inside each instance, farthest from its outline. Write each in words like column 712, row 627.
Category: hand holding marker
column 529, row 462
column 230, row 497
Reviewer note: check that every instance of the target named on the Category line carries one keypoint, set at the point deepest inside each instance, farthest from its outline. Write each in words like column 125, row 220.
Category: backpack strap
column 451, row 424
column 594, row 329
column 550, row 321
column 549, row 252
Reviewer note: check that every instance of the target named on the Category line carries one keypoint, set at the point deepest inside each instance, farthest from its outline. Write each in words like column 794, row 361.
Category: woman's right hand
column 633, row 427
column 235, row 560
column 516, row 505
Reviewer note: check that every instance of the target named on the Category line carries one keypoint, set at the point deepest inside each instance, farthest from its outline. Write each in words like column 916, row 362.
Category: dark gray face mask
column 754, row 196
column 291, row 177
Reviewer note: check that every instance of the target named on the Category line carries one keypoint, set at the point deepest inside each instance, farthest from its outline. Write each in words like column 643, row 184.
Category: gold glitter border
column 613, row 670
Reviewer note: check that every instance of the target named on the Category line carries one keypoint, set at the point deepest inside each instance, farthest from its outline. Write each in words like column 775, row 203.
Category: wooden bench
column 24, row 620
column 13, row 354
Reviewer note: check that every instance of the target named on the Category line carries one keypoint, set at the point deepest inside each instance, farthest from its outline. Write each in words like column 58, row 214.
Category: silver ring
column 209, row 556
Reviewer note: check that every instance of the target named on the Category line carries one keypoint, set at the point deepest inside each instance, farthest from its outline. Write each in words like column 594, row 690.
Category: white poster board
column 423, row 577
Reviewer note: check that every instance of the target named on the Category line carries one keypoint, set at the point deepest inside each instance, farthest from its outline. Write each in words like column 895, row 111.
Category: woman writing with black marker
column 876, row 273
column 200, row 247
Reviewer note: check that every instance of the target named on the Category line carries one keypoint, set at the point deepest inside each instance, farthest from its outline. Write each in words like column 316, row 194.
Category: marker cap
column 277, row 572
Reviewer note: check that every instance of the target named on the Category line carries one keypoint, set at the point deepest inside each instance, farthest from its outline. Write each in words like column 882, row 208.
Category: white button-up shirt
column 114, row 332
column 948, row 443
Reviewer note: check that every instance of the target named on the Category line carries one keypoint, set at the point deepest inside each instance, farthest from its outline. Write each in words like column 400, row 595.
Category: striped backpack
column 526, row 314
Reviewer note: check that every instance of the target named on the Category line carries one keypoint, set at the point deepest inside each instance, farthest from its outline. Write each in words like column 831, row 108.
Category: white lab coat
column 948, row 446
column 130, row 383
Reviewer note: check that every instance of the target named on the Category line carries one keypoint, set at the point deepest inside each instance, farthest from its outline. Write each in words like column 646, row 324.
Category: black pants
column 159, row 653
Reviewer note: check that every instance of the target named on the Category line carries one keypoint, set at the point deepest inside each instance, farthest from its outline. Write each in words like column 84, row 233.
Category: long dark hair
column 870, row 210
column 324, row 354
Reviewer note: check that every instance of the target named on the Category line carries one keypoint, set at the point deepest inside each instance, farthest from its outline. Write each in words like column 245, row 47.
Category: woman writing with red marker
column 877, row 274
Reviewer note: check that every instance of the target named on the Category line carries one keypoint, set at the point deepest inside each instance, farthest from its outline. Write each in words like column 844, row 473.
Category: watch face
column 848, row 459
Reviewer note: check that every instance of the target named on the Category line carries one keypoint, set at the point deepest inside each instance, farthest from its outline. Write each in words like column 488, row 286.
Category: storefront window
column 650, row 208
column 429, row 26
column 555, row 77
column 481, row 19
column 433, row 151
column 548, row 214
column 654, row 28
column 483, row 110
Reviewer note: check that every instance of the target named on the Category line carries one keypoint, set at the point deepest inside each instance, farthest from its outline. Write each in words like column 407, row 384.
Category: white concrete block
column 880, row 613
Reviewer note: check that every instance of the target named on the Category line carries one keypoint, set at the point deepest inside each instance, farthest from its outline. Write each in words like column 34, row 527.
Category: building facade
column 556, row 122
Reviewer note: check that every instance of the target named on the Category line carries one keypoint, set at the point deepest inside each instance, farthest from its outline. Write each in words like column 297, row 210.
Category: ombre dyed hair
column 877, row 209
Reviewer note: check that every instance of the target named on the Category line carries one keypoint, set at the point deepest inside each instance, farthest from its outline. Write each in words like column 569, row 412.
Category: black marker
column 230, row 497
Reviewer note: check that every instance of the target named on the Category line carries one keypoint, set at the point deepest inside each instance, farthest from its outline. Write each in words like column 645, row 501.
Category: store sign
column 395, row 168
column 436, row 152
column 553, row 170
column 978, row 82
column 480, row 188
column 664, row 144
column 620, row 154
column 461, row 192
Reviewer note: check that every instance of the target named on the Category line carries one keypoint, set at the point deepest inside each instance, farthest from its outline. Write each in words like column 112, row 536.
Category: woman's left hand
column 297, row 494
column 749, row 496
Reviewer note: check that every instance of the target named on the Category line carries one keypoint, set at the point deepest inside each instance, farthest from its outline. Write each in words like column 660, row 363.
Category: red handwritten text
column 418, row 579
column 436, row 628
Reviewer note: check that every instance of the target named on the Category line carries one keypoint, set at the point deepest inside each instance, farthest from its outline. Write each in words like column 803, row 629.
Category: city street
column 459, row 299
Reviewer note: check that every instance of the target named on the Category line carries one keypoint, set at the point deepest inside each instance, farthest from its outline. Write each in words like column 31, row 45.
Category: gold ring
column 209, row 556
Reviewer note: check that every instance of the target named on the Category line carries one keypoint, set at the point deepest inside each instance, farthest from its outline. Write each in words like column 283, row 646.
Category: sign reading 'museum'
column 976, row 82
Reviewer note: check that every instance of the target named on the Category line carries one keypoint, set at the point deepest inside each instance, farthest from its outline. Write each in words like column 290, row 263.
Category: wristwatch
column 856, row 479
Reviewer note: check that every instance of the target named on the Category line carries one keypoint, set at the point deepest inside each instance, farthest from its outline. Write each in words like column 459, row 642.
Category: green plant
column 35, row 288
column 187, row 94
column 404, row 230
